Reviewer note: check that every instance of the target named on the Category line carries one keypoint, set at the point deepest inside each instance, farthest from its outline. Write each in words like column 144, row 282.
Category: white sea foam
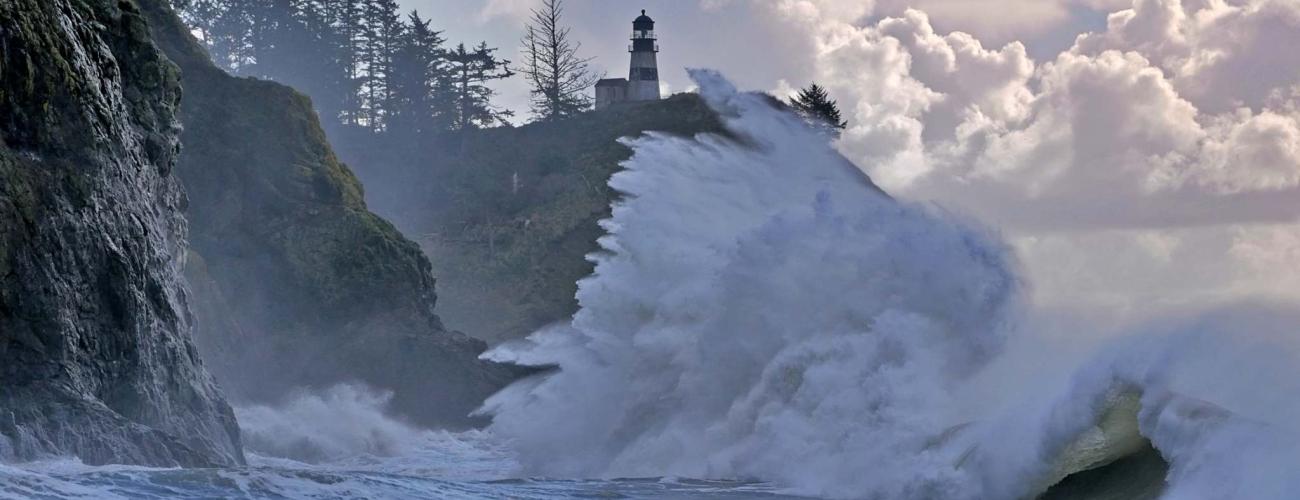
column 762, row 311
column 339, row 422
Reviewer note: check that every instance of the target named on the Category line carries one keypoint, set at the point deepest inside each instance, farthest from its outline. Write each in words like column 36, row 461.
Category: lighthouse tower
column 642, row 83
column 643, row 79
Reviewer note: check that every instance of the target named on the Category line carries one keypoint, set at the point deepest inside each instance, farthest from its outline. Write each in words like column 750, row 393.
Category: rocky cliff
column 96, row 357
column 298, row 283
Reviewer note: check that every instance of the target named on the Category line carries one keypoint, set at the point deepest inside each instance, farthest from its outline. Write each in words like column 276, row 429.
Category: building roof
column 643, row 19
column 611, row 81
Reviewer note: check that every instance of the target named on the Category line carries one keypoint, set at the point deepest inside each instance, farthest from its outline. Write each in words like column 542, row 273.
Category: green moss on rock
column 96, row 357
column 324, row 291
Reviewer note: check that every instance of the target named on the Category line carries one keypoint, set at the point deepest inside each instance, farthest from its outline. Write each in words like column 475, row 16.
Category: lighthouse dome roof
column 643, row 19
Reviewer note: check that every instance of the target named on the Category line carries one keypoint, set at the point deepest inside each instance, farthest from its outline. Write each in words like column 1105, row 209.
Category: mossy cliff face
column 300, row 284
column 96, row 356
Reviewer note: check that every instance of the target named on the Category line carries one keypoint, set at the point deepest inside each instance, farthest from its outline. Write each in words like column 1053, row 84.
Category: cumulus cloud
column 1154, row 163
column 1135, row 125
column 1006, row 21
column 515, row 9
column 1219, row 56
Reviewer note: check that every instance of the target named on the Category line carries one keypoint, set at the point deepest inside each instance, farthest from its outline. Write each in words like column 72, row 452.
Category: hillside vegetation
column 506, row 215
column 296, row 283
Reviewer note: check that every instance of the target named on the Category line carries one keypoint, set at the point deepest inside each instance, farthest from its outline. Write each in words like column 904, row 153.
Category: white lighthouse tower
column 642, row 83
column 643, row 79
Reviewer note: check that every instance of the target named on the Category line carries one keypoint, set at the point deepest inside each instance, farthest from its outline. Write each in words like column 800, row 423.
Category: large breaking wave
column 761, row 310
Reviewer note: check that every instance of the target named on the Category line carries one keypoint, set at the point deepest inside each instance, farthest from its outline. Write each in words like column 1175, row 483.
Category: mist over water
column 337, row 423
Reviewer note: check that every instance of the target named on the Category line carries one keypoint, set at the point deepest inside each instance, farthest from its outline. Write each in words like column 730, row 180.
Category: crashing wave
column 762, row 310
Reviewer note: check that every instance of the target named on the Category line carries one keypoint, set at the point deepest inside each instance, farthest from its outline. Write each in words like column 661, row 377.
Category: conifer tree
column 420, row 100
column 321, row 60
column 381, row 30
column 470, row 71
column 278, row 41
column 558, row 77
column 201, row 17
column 816, row 105
column 226, row 28
column 344, row 16
column 359, row 60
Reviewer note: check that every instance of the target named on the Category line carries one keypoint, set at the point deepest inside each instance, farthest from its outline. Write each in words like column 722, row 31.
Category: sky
column 1137, row 153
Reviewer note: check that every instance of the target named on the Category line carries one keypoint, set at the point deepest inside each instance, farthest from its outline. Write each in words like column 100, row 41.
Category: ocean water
column 339, row 443
column 764, row 323
column 272, row 478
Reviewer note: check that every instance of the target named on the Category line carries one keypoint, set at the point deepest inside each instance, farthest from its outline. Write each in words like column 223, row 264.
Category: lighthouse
column 643, row 78
column 642, row 83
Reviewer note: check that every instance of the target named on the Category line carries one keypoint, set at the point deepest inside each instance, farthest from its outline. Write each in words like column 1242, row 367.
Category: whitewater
column 764, row 322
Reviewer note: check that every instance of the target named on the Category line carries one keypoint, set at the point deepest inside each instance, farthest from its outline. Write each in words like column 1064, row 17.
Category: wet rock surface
column 96, row 356
column 297, row 283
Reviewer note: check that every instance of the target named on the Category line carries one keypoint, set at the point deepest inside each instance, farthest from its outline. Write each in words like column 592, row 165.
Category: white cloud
column 1132, row 119
column 1136, row 271
column 1264, row 258
column 1003, row 21
column 1219, row 55
column 1156, row 162
column 512, row 9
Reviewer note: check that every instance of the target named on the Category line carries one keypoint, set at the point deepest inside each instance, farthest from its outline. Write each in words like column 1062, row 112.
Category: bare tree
column 558, row 76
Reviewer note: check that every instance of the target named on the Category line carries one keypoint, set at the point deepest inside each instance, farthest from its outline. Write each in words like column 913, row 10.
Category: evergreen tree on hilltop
column 381, row 35
column 201, row 17
column 364, row 65
column 469, row 72
column 558, row 77
column 346, row 30
column 281, row 47
column 418, row 86
column 225, row 27
column 816, row 105
column 324, row 66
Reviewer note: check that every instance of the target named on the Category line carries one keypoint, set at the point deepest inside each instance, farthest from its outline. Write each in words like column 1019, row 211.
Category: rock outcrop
column 96, row 356
column 299, row 284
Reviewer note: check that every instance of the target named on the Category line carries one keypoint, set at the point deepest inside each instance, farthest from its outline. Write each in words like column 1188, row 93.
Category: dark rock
column 300, row 284
column 96, row 356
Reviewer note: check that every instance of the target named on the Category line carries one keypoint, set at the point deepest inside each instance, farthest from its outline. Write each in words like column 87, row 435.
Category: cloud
column 513, row 9
column 1264, row 257
column 1133, row 272
column 1153, row 163
column 1005, row 21
column 1219, row 56
column 1136, row 125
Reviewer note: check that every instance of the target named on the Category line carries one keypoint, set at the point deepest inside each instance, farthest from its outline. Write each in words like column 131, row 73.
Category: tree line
column 366, row 65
